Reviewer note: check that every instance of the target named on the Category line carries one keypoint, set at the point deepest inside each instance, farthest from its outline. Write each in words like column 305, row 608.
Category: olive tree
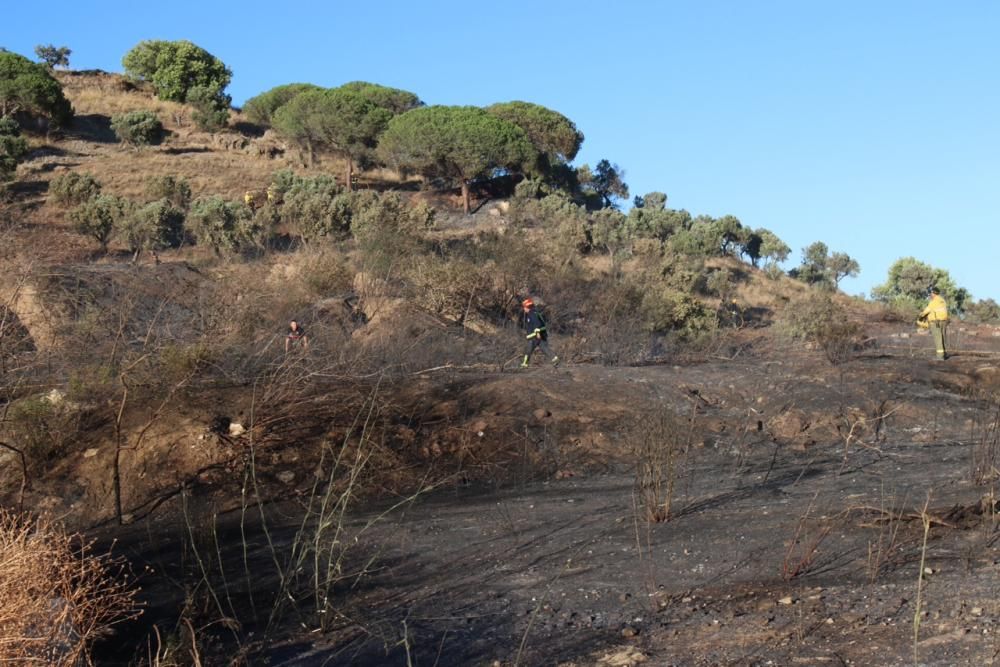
column 456, row 143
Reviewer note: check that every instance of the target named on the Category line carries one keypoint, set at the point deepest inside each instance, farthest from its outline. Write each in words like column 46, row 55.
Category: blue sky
column 872, row 126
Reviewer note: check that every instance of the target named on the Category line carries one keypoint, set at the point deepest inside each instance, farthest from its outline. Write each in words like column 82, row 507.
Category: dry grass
column 56, row 596
column 110, row 94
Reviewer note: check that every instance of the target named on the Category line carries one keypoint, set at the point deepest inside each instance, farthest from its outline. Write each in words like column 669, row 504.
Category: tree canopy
column 457, row 143
column 340, row 120
column 395, row 100
column 174, row 68
column 53, row 56
column 29, row 88
column 820, row 268
column 553, row 134
column 909, row 281
column 261, row 108
column 603, row 186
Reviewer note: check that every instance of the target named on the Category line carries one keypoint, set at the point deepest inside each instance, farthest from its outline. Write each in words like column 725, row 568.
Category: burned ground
column 792, row 540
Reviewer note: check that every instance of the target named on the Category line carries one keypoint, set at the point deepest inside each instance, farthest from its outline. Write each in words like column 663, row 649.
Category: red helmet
column 528, row 303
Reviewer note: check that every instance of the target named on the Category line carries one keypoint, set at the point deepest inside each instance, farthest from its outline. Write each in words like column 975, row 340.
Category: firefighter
column 296, row 336
column 936, row 316
column 533, row 323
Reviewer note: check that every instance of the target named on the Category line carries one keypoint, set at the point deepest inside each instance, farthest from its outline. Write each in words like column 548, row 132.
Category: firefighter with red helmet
column 534, row 325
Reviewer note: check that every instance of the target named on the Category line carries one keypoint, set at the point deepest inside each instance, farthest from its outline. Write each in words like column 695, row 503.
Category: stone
column 286, row 476
column 236, row 429
column 90, row 453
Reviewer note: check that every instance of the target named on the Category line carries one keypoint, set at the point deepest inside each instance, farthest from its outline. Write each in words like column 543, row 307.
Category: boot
column 555, row 362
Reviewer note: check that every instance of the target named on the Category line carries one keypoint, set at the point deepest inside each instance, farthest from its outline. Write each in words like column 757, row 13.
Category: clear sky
column 869, row 125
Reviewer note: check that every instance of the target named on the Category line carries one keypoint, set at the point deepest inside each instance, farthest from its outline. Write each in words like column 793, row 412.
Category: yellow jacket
column 936, row 310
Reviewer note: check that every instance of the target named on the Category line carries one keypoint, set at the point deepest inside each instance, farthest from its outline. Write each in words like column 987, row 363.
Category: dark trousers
column 533, row 344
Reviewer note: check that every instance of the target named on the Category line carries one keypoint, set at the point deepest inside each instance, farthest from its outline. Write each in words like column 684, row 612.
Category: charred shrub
column 659, row 443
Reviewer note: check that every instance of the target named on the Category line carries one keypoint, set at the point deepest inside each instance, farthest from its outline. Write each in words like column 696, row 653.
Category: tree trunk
column 465, row 196
column 350, row 174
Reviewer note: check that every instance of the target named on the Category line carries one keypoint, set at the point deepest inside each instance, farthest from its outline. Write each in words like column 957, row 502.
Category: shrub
column 73, row 188
column 98, row 217
column 387, row 229
column 45, row 425
column 325, row 273
column 211, row 108
column 225, row 226
column 815, row 317
column 56, row 596
column 155, row 226
column 137, row 128
column 175, row 190
column 667, row 310
column 13, row 148
column 316, row 207
column 659, row 443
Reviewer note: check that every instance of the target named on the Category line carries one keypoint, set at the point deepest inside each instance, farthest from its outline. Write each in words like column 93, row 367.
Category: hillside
column 728, row 466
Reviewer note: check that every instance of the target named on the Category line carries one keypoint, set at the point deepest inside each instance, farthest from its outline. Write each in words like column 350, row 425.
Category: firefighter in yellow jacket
column 936, row 316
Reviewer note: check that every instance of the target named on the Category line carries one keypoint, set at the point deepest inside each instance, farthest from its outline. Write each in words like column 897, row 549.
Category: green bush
column 228, row 227
column 315, row 208
column 211, row 108
column 13, row 148
column 74, row 188
column 175, row 190
column 138, row 128
column 155, row 226
column 667, row 310
column 99, row 217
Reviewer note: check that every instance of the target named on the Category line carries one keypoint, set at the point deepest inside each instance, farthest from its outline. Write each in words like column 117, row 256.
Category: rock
column 478, row 426
column 236, row 429
column 786, row 600
column 625, row 657
column 628, row 631
column 90, row 453
column 976, row 611
column 286, row 476
column 541, row 413
column 55, row 397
